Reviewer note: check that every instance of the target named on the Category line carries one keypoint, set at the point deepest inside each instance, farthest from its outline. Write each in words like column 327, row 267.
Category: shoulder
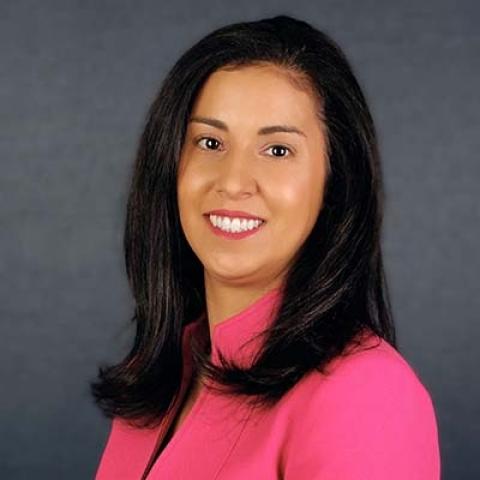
column 374, row 370
column 374, row 380
column 371, row 414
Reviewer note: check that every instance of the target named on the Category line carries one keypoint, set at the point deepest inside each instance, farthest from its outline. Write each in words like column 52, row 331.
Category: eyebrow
column 262, row 131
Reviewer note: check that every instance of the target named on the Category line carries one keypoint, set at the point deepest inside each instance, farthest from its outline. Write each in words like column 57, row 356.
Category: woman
column 265, row 346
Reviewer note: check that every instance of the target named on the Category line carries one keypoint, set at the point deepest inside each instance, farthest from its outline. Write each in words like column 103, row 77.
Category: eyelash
column 197, row 141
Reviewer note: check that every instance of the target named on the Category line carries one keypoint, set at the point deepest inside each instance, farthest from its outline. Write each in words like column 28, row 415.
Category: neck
column 224, row 301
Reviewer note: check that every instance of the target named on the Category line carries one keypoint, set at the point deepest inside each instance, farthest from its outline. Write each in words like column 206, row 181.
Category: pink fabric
column 370, row 419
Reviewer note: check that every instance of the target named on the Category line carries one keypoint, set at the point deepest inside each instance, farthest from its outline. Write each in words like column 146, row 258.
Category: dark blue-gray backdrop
column 77, row 78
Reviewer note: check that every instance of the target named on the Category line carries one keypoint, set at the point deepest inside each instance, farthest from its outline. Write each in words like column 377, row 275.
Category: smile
column 233, row 228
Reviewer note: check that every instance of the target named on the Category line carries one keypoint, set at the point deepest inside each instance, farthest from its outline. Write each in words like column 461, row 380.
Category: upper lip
column 234, row 213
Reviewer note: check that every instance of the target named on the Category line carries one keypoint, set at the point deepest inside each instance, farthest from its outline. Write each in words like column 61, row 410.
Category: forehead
column 256, row 94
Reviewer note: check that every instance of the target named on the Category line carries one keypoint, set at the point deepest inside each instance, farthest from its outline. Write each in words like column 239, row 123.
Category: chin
column 229, row 269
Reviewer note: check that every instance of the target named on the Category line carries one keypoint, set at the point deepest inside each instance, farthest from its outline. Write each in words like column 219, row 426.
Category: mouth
column 247, row 228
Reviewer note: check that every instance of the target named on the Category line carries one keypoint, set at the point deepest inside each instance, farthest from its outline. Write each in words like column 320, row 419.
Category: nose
column 235, row 177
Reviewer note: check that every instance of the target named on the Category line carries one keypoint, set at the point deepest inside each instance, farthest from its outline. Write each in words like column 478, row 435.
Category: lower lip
column 233, row 235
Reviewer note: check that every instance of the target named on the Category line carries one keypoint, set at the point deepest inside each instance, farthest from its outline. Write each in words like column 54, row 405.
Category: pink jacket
column 370, row 419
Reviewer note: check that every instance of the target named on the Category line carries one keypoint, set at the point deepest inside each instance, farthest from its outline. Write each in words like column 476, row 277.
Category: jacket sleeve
column 372, row 419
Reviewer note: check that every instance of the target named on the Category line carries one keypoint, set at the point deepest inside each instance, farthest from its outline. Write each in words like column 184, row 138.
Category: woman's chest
column 208, row 437
column 220, row 440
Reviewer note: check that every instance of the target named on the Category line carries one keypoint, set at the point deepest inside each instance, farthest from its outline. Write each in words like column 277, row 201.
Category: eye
column 210, row 142
column 279, row 148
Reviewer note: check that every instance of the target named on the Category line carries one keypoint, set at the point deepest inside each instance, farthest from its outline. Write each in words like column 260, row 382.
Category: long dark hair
column 335, row 289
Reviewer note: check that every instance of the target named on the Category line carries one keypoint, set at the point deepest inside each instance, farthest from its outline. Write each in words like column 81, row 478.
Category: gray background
column 77, row 78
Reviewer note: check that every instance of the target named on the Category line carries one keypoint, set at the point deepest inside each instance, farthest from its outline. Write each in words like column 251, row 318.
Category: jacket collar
column 232, row 334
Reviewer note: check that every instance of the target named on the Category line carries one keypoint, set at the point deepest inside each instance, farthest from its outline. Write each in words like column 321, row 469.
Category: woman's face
column 228, row 163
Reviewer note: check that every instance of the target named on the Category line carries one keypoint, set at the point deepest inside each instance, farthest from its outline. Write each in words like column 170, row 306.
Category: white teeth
column 228, row 224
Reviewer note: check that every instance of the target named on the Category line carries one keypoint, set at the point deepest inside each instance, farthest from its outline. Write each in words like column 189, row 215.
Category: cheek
column 293, row 193
column 188, row 185
column 297, row 200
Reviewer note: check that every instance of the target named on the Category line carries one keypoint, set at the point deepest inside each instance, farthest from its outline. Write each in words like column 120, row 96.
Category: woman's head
column 305, row 74
column 323, row 207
